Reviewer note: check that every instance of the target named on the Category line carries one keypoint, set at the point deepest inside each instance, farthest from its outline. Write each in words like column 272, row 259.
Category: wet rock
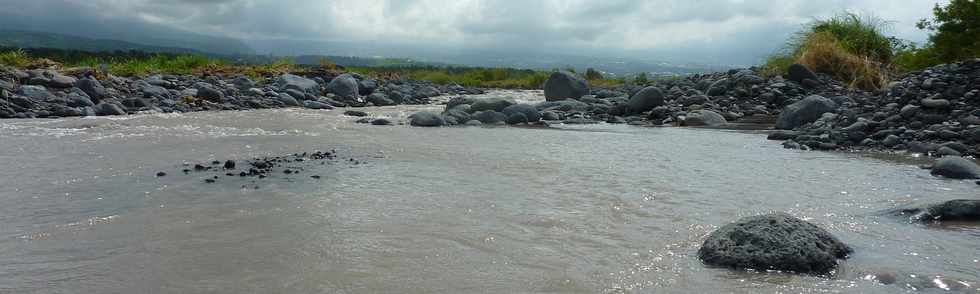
column 782, row 135
column 426, row 119
column 161, row 174
column 287, row 100
column 493, row 104
column 380, row 99
column 805, row 111
column 954, row 167
column 316, row 105
column 489, row 117
column 704, row 118
column 774, row 242
column 106, row 109
column 646, row 99
column 135, row 103
column 550, row 115
column 935, row 103
column 230, row 164
column 953, row 210
column 366, row 87
column 516, row 118
column 564, row 85
column 530, row 113
column 381, row 122
column 356, row 113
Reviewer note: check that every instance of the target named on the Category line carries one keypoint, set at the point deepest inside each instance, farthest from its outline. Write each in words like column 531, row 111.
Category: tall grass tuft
column 822, row 52
column 15, row 58
column 851, row 48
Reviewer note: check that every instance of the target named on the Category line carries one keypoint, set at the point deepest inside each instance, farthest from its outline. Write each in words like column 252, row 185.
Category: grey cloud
column 607, row 27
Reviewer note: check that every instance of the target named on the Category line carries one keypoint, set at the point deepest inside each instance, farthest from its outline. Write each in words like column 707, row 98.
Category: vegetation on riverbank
column 135, row 63
column 856, row 50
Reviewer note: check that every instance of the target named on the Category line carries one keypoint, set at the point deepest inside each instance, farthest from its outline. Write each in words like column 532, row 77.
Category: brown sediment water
column 568, row 209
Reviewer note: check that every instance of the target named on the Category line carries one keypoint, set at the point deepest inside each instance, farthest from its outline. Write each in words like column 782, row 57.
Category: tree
column 956, row 30
column 592, row 74
column 641, row 79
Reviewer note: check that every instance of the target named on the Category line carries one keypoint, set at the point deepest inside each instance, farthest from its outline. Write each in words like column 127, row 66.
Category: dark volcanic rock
column 494, row 104
column 956, row 168
column 953, row 210
column 798, row 73
column 93, row 88
column 356, row 113
column 646, row 99
column 773, row 242
column 530, row 113
column 290, row 81
column 704, row 118
column 489, row 117
column 805, row 111
column 426, row 119
column 516, row 118
column 344, row 86
column 564, row 85
column 103, row 109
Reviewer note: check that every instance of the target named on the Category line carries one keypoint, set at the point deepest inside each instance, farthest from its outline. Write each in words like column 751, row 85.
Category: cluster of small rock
column 46, row 93
column 262, row 167
column 935, row 111
column 697, row 100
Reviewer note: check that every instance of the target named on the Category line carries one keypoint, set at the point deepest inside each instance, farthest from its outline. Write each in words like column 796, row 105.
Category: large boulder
column 290, row 81
column 646, row 99
column 344, row 86
column 773, row 242
column 496, row 104
column 367, row 86
column 953, row 210
column 805, row 111
column 956, row 167
column 426, row 119
column 210, row 93
column 704, row 118
column 530, row 113
column 36, row 93
column 563, row 85
column 798, row 73
column 93, row 88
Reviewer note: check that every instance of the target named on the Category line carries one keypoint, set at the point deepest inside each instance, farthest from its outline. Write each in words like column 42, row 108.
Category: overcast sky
column 605, row 27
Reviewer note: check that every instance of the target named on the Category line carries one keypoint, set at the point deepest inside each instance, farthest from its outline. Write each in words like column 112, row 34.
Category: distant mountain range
column 26, row 39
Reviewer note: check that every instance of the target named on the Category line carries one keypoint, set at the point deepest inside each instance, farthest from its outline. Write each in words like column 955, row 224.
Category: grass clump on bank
column 848, row 47
column 136, row 63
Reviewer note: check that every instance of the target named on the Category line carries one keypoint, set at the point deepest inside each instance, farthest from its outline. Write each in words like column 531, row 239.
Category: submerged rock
column 426, row 119
column 955, row 167
column 774, row 242
column 953, row 210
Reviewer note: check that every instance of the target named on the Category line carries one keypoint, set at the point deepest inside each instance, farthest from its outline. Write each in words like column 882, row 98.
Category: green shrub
column 862, row 36
column 15, row 58
column 955, row 34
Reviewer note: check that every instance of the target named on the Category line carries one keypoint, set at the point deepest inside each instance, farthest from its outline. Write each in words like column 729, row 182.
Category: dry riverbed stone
column 774, row 242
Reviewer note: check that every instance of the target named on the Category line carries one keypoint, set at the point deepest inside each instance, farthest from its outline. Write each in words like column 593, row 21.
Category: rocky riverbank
column 50, row 93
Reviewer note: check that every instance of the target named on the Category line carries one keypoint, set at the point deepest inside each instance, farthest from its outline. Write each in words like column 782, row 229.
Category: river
column 568, row 209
